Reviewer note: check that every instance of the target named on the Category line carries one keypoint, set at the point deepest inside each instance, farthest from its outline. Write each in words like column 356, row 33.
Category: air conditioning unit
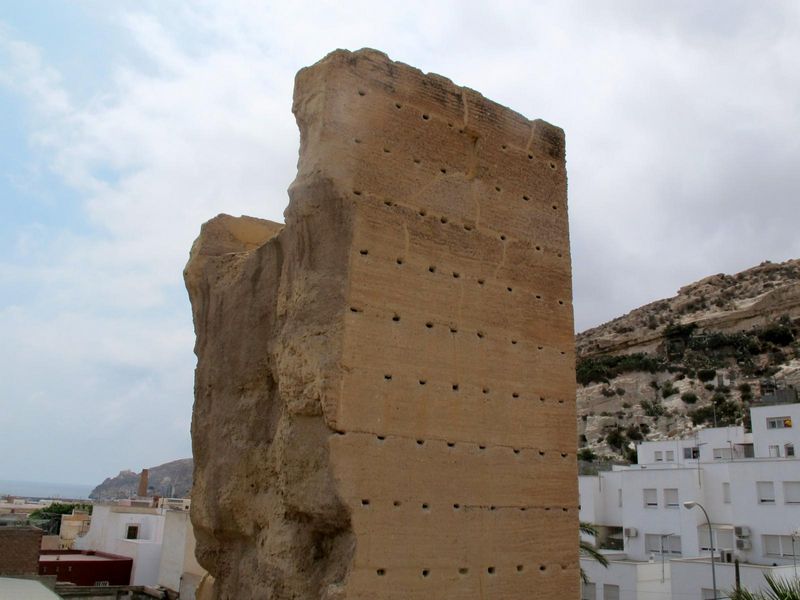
column 742, row 544
column 741, row 531
column 631, row 532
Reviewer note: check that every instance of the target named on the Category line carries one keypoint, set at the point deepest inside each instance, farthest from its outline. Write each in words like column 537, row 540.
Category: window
column 693, row 452
column 774, row 451
column 723, row 538
column 722, row 453
column 132, row 532
column 789, row 450
column 650, row 498
column 588, row 591
column 653, row 543
column 659, row 456
column 672, row 545
column 766, row 492
column 791, row 492
column 609, row 537
column 670, row 456
column 671, row 498
column 777, row 545
column 610, row 592
column 779, row 422
column 619, row 497
column 726, row 492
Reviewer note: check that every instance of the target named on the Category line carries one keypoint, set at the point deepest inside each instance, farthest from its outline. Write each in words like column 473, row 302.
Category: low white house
column 158, row 536
column 749, row 484
column 129, row 529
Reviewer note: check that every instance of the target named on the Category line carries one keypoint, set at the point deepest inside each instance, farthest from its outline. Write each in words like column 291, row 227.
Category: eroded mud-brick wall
column 405, row 346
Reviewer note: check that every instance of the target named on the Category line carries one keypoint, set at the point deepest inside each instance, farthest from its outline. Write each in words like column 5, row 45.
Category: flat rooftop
column 25, row 588
column 74, row 557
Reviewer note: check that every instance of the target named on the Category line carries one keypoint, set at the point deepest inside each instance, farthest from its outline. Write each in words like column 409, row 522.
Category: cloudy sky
column 124, row 125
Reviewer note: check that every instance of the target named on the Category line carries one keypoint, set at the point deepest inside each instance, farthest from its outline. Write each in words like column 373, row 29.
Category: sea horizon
column 45, row 489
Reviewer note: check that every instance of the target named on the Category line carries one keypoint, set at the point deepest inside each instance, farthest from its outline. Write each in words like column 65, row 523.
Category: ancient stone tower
column 385, row 385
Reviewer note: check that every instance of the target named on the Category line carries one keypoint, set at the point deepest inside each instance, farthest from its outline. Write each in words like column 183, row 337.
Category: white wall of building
column 108, row 530
column 765, row 436
column 635, row 580
column 179, row 570
column 760, row 493
column 691, row 577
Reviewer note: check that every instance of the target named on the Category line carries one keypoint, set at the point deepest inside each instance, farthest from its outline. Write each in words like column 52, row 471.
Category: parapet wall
column 385, row 386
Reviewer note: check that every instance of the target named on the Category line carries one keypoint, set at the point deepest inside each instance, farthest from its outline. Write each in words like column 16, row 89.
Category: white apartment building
column 749, row 483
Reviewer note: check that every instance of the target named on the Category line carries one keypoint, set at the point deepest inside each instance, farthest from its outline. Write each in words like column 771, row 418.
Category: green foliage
column 727, row 413
column 777, row 589
column 588, row 549
column 778, row 334
column 689, row 397
column 652, row 408
column 600, row 369
column 58, row 509
column 679, row 331
column 49, row 517
column 620, row 391
column 586, row 454
column 744, row 388
column 634, row 433
column 668, row 390
column 706, row 374
column 608, row 392
column 616, row 439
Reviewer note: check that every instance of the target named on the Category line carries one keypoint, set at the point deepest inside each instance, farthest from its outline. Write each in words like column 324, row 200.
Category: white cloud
column 681, row 122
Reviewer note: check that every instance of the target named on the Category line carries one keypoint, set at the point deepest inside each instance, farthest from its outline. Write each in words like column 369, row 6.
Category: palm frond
column 778, row 589
column 588, row 549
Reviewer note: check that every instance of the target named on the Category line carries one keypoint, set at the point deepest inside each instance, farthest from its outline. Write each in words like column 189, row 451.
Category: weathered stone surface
column 385, row 386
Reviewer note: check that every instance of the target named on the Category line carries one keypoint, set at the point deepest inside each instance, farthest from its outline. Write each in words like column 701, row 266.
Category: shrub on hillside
column 778, row 334
column 668, row 390
column 689, row 397
column 599, row 369
column 616, row 439
column 726, row 412
column 706, row 374
column 652, row 408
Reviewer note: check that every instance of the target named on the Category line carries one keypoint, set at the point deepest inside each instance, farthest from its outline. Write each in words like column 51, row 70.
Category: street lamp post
column 689, row 504
column 795, row 534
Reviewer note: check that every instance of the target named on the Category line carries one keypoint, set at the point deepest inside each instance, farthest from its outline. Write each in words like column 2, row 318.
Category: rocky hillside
column 172, row 480
column 700, row 357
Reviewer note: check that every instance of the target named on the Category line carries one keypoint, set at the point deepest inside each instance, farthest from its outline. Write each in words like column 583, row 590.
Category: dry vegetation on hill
column 698, row 358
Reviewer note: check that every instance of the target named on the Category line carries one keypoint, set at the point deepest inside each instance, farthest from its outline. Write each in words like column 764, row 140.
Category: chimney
column 143, row 484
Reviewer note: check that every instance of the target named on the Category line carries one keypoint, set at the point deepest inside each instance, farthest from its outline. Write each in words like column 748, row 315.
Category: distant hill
column 172, row 480
column 696, row 359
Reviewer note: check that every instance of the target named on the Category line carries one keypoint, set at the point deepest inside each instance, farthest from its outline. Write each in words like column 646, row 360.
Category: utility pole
column 663, row 536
